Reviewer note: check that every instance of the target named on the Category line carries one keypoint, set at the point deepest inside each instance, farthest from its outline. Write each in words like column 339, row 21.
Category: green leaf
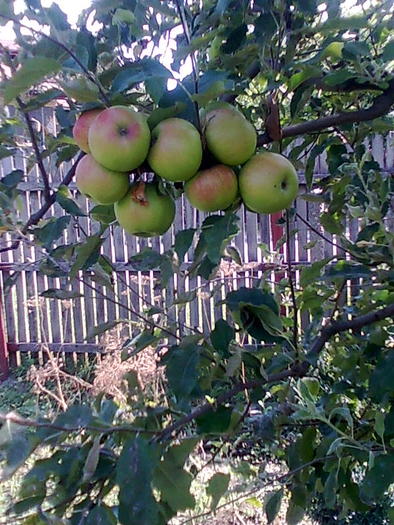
column 16, row 445
column 57, row 18
column 147, row 259
column 51, row 269
column 6, row 8
column 344, row 413
column 174, row 484
column 388, row 51
column 330, row 489
column 81, row 89
column 141, row 341
column 166, row 268
column 310, row 273
column 123, row 16
column 221, row 337
column 134, row 474
column 338, row 77
column 381, row 384
column 273, row 503
column 11, row 180
column 75, row 416
column 178, row 454
column 52, row 230
column 140, row 71
column 235, row 39
column 346, row 270
column 181, row 369
column 66, row 201
column 294, row 513
column 103, row 213
column 379, row 425
column 101, row 515
column 378, row 479
column 160, row 114
column 217, row 488
column 215, row 422
column 185, row 297
column 216, row 233
column 99, row 275
column 354, row 50
column 331, row 223
column 310, row 163
column 88, row 254
column 257, row 312
column 32, row 72
column 60, row 293
column 92, row 460
column 342, row 24
column 103, row 327
column 42, row 99
column 22, row 506
column 298, row 78
column 183, row 241
column 233, row 253
column 6, row 152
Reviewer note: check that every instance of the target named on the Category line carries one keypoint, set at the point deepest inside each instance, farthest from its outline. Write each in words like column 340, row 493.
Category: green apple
column 213, row 189
column 119, row 138
column 229, row 135
column 144, row 211
column 100, row 184
column 176, row 152
column 82, row 126
column 268, row 183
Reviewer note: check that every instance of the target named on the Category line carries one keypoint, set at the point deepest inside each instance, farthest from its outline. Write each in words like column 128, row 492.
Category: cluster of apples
column 118, row 141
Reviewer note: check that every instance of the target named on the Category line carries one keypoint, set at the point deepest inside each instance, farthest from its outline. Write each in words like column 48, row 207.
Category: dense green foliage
column 325, row 391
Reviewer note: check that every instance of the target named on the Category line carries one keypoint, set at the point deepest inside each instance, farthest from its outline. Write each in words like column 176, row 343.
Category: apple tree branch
column 298, row 370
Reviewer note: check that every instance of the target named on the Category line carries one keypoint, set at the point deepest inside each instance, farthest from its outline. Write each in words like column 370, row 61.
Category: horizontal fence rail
column 35, row 324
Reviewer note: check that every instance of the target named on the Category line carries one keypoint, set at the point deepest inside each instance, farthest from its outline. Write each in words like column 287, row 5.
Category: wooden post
column 4, row 361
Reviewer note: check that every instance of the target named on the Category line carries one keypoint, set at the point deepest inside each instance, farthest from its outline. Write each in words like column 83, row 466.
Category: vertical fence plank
column 4, row 360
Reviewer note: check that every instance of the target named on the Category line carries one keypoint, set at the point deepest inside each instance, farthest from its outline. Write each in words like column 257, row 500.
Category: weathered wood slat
column 55, row 347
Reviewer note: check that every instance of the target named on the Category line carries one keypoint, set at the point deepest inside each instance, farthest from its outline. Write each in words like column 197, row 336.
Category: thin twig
column 90, row 75
column 29, row 124
column 146, row 301
column 38, row 215
column 195, row 73
column 134, row 312
column 278, row 479
column 37, row 152
column 12, row 417
column 337, row 299
column 315, row 230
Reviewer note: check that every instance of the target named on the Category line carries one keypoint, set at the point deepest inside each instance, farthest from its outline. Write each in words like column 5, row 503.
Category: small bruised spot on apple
column 138, row 194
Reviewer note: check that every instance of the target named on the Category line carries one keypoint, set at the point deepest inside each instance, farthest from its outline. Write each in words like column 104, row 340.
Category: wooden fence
column 34, row 323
